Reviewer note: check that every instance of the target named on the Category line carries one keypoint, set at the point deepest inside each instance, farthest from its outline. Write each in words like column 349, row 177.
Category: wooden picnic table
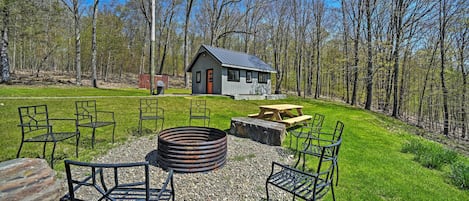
column 279, row 111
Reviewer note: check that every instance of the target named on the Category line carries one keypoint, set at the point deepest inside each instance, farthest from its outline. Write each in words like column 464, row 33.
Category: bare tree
column 369, row 74
column 4, row 62
column 167, row 23
column 318, row 8
column 74, row 6
column 357, row 16
column 462, row 43
column 345, row 38
column 94, row 77
column 186, row 25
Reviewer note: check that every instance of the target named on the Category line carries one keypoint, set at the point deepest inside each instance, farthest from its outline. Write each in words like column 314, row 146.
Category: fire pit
column 192, row 149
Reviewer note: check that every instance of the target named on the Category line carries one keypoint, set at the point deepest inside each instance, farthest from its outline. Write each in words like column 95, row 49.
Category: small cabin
column 221, row 71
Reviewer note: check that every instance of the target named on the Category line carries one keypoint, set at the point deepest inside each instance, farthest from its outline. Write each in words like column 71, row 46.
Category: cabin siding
column 204, row 63
column 242, row 87
column 220, row 60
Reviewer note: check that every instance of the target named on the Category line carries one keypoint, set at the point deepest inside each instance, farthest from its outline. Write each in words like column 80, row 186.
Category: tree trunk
column 165, row 47
column 422, row 94
column 5, row 64
column 152, row 47
column 369, row 74
column 318, row 15
column 186, row 56
column 94, row 77
column 464, row 82
column 397, row 41
column 356, row 59
column 443, row 21
column 346, row 63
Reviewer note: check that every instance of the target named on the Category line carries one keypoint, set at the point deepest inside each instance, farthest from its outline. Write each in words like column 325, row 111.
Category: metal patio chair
column 107, row 182
column 87, row 116
column 36, row 126
column 199, row 110
column 312, row 127
column 325, row 137
column 149, row 110
column 303, row 184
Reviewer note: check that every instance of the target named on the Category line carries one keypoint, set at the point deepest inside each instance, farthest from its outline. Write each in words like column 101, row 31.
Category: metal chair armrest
column 37, row 126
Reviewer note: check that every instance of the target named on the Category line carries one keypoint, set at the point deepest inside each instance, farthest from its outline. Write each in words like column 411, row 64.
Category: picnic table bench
column 296, row 120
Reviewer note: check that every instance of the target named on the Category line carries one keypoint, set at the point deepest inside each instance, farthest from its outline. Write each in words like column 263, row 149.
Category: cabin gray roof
column 233, row 59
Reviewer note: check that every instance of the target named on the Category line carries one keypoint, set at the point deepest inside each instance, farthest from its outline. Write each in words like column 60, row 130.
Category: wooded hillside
column 406, row 58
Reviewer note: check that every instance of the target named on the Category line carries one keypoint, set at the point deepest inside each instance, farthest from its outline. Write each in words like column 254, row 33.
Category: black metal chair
column 87, row 116
column 308, row 186
column 313, row 127
column 199, row 110
column 149, row 110
column 36, row 126
column 325, row 137
column 105, row 179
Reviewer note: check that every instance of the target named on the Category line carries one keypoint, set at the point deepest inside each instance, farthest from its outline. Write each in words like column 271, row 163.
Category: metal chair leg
column 92, row 138
column 140, row 126
column 113, row 129
column 156, row 124
column 162, row 124
column 76, row 147
column 19, row 150
column 52, row 156
column 267, row 190
column 337, row 176
column 332, row 190
column 44, row 150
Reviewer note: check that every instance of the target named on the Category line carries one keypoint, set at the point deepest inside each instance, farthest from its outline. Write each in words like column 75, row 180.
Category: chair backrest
column 97, row 177
column 198, row 108
column 149, row 107
column 316, row 123
column 33, row 118
column 86, row 110
column 327, row 162
column 339, row 128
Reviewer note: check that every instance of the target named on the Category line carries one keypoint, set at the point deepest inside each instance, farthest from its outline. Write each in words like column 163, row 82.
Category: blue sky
column 90, row 2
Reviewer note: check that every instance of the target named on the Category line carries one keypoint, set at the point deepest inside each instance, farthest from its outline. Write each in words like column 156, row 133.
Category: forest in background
column 405, row 58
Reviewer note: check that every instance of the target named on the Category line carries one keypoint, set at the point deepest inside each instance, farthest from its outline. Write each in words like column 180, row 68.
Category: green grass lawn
column 372, row 166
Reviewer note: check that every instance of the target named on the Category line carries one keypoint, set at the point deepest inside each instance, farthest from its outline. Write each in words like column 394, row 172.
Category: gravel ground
column 242, row 178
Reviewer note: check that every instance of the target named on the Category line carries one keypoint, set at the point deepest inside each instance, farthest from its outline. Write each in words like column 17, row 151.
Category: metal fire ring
column 192, row 149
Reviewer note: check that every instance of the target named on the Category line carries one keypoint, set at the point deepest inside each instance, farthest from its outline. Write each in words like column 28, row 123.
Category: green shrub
column 460, row 175
column 413, row 146
column 430, row 155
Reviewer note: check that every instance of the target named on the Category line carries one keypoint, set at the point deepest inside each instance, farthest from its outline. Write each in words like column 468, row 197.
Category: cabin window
column 248, row 76
column 233, row 75
column 197, row 77
column 263, row 77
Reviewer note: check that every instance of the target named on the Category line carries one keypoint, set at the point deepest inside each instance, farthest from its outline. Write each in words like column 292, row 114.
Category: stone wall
column 263, row 131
